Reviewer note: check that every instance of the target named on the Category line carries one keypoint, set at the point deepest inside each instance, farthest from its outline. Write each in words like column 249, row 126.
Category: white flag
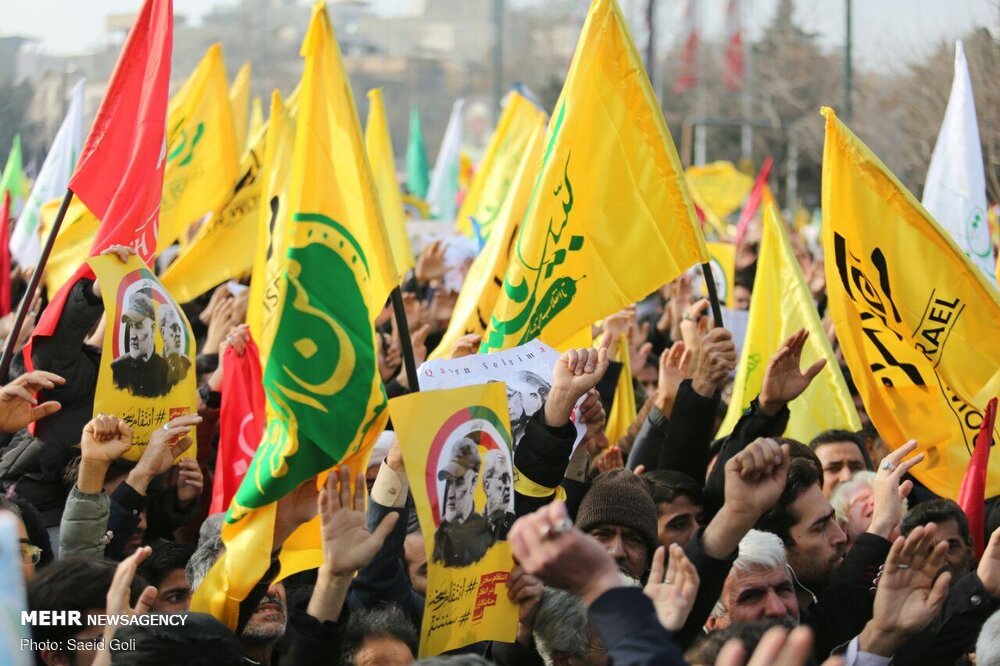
column 955, row 191
column 443, row 189
column 25, row 243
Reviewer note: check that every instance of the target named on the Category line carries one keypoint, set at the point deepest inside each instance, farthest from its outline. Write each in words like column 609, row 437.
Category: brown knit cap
column 620, row 498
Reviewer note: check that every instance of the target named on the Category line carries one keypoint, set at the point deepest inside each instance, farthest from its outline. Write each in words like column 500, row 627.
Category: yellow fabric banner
column 454, row 438
column 483, row 282
column 383, row 163
column 917, row 322
column 272, row 226
column 610, row 189
column 76, row 235
column 719, row 189
column 239, row 98
column 781, row 305
column 325, row 401
column 723, row 262
column 493, row 181
column 256, row 117
column 225, row 245
column 202, row 155
column 147, row 375
column 623, row 409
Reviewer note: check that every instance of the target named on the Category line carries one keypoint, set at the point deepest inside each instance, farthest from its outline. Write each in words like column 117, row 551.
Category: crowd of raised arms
column 667, row 546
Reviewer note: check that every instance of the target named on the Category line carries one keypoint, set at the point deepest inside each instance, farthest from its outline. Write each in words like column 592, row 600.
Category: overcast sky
column 888, row 33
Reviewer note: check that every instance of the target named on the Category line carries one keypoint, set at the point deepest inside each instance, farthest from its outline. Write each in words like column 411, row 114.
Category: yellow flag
column 610, row 191
column 239, row 98
column 719, row 189
column 325, row 400
column 917, row 322
column 494, row 180
column 782, row 304
column 76, row 235
column 383, row 162
column 256, row 116
column 272, row 225
column 483, row 282
column 225, row 245
column 723, row 264
column 454, row 437
column 202, row 155
column 623, row 409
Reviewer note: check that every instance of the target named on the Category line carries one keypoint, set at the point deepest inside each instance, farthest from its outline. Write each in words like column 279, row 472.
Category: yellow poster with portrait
column 147, row 375
column 459, row 460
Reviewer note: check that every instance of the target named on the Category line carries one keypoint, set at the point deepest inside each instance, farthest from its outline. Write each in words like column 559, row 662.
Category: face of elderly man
column 171, row 330
column 497, row 481
column 140, row 338
column 458, row 503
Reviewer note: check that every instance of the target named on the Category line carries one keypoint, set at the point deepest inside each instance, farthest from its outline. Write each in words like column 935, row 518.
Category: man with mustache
column 497, row 484
column 463, row 536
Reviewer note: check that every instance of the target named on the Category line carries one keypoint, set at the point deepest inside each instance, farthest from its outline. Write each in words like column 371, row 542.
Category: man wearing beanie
column 618, row 511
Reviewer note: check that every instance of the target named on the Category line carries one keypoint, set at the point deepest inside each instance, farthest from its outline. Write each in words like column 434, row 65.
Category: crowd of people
column 668, row 546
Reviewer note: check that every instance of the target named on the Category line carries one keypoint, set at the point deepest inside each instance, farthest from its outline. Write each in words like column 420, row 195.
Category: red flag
column 241, row 423
column 5, row 286
column 733, row 74
column 972, row 496
column 688, row 77
column 753, row 201
column 119, row 176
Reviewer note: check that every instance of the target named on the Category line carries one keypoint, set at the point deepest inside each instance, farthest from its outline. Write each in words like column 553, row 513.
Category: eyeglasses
column 28, row 551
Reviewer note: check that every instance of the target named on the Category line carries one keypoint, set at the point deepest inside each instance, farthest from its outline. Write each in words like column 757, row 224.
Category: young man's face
column 676, row 521
column 958, row 559
column 840, row 460
column 416, row 562
column 459, row 500
column 173, row 594
column 819, row 543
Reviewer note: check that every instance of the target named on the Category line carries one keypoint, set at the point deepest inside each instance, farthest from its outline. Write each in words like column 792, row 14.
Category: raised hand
column 294, row 509
column 105, row 439
column 675, row 367
column 673, row 587
column 592, row 412
column 755, row 477
column 166, row 444
column 467, row 345
column 118, row 600
column 190, row 481
column 526, row 591
column 220, row 324
column 778, row 647
column 783, row 380
column 891, row 490
column 989, row 566
column 910, row 592
column 716, row 359
column 431, row 263
column 576, row 372
column 609, row 460
column 347, row 543
column 18, row 406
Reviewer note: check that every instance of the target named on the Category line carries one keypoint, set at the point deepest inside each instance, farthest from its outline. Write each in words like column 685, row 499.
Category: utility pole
column 497, row 57
column 746, row 98
column 651, row 42
column 848, row 65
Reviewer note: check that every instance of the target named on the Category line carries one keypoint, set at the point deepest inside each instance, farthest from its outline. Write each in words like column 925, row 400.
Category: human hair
column 167, row 556
column 561, row 626
column 745, row 276
column 209, row 549
column 840, row 500
column 38, row 535
column 757, row 549
column 936, row 511
column 706, row 650
column 201, row 641
column 387, row 622
column 779, row 519
column 667, row 485
column 467, row 659
column 988, row 643
column 78, row 583
column 839, row 437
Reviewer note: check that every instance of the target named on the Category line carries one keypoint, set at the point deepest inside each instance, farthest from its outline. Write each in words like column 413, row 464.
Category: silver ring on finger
column 887, row 465
column 902, row 566
column 562, row 526
column 545, row 532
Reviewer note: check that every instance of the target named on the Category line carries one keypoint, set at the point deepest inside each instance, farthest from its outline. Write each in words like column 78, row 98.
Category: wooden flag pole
column 29, row 293
column 403, row 328
column 713, row 294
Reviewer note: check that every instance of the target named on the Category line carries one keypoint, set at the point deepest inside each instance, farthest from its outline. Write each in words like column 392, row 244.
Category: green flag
column 13, row 174
column 417, row 171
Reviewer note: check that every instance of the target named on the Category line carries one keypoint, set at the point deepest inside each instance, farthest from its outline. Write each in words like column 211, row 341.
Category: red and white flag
column 688, row 77
column 732, row 76
column 241, row 423
column 119, row 175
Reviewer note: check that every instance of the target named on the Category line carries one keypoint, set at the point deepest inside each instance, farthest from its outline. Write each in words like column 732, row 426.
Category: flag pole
column 29, row 293
column 406, row 345
column 713, row 294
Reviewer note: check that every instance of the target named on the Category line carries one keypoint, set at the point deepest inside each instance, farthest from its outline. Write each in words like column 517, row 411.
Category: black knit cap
column 620, row 498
